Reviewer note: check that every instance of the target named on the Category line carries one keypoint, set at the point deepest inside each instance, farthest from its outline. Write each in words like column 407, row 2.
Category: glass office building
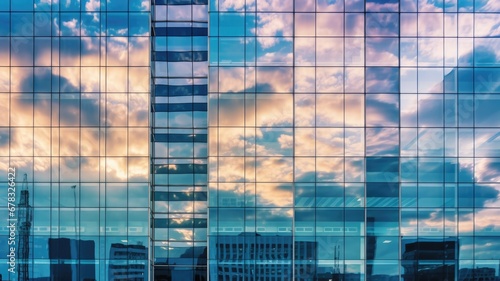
column 250, row 140
column 74, row 103
column 179, row 139
column 354, row 140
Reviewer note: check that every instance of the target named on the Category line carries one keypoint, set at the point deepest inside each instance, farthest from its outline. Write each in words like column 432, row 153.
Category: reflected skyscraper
column 71, row 259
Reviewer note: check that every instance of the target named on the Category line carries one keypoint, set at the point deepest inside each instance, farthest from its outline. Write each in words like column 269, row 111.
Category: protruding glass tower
column 179, row 139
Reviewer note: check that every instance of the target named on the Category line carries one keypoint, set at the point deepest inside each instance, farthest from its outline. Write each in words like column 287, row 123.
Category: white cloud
column 232, row 141
column 23, row 142
column 270, row 25
column 329, row 141
column 275, row 58
column 73, row 26
column 428, row 6
column 145, row 5
column 329, row 24
column 329, row 79
column 273, row 110
column 305, row 79
column 354, row 80
column 275, row 5
column 430, row 51
column 233, row 79
column 92, row 5
column 486, row 25
column 377, row 7
column 234, row 5
column 484, row 171
column 377, row 55
column 491, row 6
column 285, row 141
column 122, row 31
column 330, row 6
column 56, row 25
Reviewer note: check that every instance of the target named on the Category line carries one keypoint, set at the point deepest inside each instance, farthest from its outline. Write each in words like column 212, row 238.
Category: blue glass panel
column 382, row 79
column 380, row 169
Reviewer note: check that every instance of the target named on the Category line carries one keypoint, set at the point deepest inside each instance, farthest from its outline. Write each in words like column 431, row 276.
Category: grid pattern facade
column 179, row 138
column 370, row 128
column 74, row 103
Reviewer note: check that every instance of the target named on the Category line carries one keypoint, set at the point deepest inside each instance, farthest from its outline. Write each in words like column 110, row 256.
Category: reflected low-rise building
column 179, row 265
column 476, row 274
column 253, row 256
column 122, row 265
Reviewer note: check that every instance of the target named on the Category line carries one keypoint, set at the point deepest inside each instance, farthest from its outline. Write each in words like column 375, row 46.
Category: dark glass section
column 180, row 90
column 180, row 31
column 179, row 107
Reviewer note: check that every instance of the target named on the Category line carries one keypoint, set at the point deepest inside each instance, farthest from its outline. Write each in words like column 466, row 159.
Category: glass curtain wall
column 74, row 103
column 179, row 139
column 354, row 140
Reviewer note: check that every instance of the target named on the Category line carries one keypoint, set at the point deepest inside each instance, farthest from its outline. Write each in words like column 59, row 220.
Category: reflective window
column 359, row 135
column 79, row 151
